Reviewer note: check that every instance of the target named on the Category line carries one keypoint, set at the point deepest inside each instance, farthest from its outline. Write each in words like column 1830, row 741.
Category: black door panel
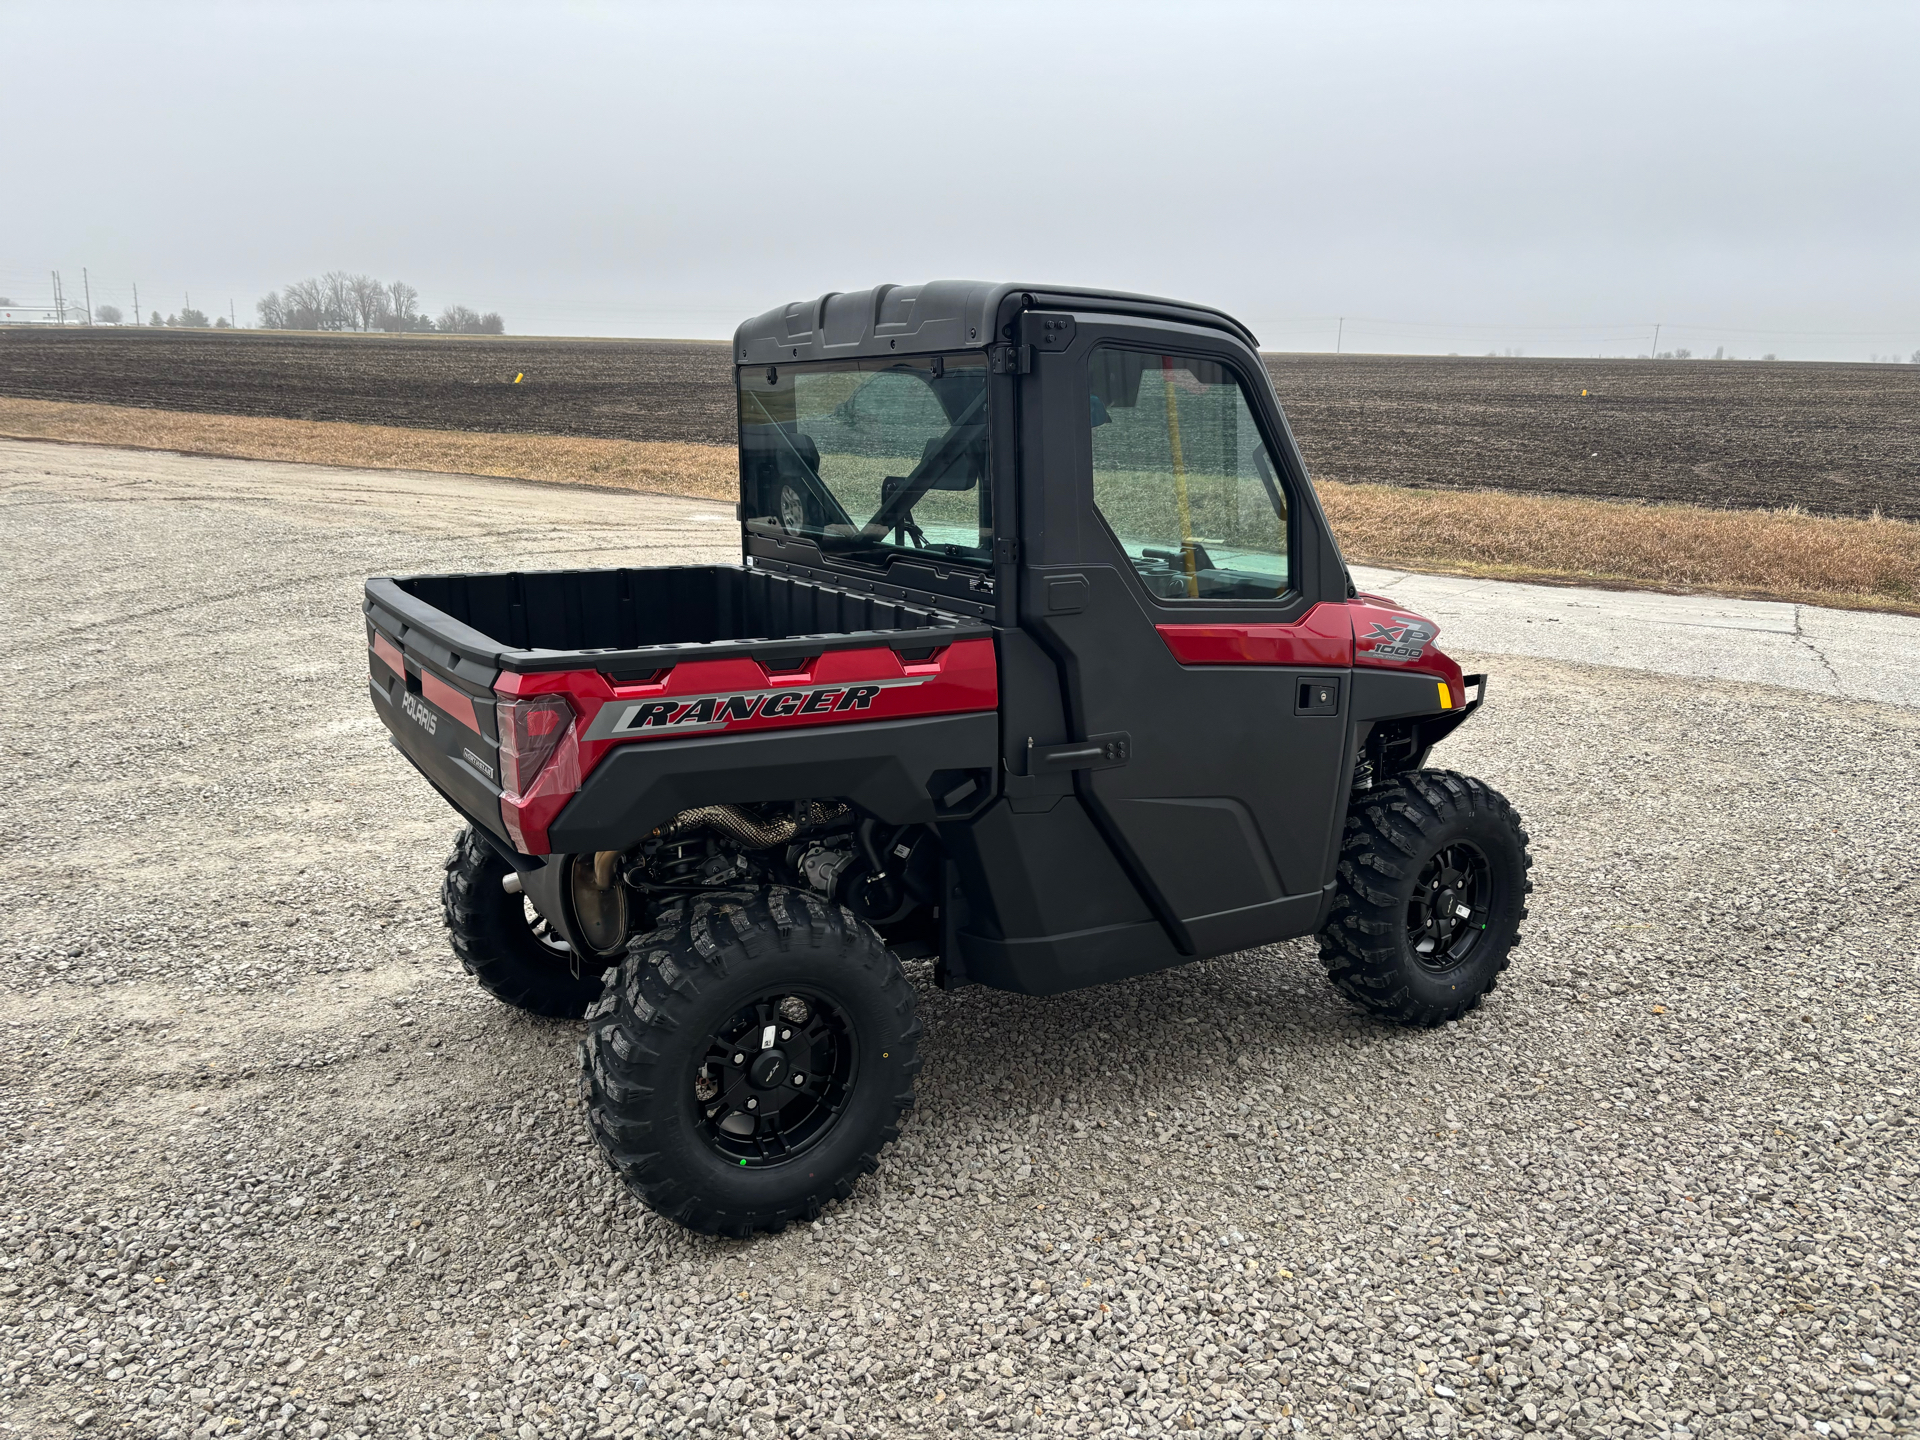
column 1224, row 801
column 1168, row 830
column 1222, row 813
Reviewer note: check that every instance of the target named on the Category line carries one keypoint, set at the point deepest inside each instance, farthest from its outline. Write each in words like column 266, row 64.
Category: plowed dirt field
column 1833, row 439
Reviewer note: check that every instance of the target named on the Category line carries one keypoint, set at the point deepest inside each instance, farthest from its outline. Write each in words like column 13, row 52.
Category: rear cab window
column 870, row 458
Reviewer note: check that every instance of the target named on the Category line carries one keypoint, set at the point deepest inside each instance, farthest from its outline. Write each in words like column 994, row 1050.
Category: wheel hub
column 1447, row 914
column 768, row 1070
column 774, row 1078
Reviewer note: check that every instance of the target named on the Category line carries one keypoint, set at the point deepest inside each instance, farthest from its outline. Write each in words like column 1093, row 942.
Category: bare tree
column 337, row 299
column 107, row 314
column 366, row 301
column 403, row 306
column 340, row 300
column 459, row 320
column 307, row 307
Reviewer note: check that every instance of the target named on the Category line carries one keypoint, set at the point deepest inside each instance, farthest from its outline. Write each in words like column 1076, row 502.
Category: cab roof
column 940, row 315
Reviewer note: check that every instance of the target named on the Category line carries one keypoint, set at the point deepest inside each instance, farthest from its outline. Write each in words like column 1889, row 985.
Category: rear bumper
column 484, row 819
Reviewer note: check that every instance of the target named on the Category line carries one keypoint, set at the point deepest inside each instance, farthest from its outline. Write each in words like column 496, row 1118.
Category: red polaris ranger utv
column 1039, row 659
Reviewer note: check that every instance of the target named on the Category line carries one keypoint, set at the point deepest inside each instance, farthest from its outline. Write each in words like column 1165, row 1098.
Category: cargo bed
column 647, row 656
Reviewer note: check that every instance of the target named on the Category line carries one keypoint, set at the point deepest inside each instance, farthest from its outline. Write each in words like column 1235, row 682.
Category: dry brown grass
column 1763, row 554
column 708, row 472
column 1779, row 555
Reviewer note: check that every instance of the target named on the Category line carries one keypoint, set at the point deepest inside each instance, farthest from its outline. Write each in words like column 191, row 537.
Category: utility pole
column 86, row 289
column 59, row 306
column 235, row 319
column 1656, row 355
column 136, row 304
column 1339, row 329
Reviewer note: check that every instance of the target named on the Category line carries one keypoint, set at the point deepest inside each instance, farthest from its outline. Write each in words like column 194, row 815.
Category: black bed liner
column 634, row 621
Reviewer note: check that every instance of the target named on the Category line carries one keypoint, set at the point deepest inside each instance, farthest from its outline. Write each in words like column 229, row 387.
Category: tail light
column 539, row 766
column 530, row 732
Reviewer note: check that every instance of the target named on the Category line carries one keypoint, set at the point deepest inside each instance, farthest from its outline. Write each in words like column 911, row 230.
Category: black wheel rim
column 548, row 938
column 774, row 1078
column 1447, row 914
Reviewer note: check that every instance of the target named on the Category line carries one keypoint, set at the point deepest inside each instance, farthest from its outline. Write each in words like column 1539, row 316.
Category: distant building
column 40, row 315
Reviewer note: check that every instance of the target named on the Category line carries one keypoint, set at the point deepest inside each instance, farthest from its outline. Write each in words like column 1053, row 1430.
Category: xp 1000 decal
column 1402, row 637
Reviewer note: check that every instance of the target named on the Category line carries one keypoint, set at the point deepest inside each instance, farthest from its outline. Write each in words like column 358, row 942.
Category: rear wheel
column 749, row 1060
column 503, row 943
column 1431, row 890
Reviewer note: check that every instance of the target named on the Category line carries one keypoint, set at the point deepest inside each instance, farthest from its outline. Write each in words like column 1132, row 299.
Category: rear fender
column 925, row 770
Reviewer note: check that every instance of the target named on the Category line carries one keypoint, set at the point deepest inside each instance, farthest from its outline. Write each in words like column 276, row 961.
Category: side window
column 1183, row 479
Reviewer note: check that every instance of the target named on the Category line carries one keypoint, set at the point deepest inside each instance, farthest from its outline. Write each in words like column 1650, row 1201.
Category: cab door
column 1177, row 569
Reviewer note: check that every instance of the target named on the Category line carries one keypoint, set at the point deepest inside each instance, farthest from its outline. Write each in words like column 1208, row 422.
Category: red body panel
column 706, row 697
column 1400, row 640
column 457, row 706
column 1324, row 636
column 1367, row 630
column 389, row 653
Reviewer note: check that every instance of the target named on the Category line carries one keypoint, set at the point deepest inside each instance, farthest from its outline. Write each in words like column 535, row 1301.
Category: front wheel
column 1430, row 894
column 750, row 1059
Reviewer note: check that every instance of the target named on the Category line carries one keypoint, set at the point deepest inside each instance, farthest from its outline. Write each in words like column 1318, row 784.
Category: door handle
column 1095, row 753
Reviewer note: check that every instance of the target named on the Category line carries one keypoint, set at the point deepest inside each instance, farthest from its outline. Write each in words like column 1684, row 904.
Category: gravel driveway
column 273, row 1166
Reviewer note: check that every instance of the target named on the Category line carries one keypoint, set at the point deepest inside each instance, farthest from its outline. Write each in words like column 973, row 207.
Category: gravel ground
column 273, row 1166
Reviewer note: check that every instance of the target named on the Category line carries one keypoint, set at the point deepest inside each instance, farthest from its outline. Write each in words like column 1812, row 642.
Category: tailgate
column 438, row 702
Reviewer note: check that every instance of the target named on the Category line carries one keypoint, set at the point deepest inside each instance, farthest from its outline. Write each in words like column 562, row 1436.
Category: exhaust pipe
column 739, row 825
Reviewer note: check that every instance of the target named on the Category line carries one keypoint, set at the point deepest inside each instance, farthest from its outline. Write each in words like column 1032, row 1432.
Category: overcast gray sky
column 1450, row 177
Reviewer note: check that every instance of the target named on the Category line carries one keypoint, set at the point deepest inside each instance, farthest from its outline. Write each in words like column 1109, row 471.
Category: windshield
column 870, row 457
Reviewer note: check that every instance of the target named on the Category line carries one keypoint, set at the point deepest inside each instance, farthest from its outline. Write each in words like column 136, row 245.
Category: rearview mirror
column 962, row 472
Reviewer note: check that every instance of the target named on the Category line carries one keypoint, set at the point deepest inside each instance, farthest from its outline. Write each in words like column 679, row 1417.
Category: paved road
column 1859, row 654
column 1854, row 654
column 272, row 1166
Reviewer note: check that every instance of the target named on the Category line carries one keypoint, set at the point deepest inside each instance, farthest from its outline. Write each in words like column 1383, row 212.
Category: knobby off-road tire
column 497, row 943
column 1431, row 834
column 662, row 1079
